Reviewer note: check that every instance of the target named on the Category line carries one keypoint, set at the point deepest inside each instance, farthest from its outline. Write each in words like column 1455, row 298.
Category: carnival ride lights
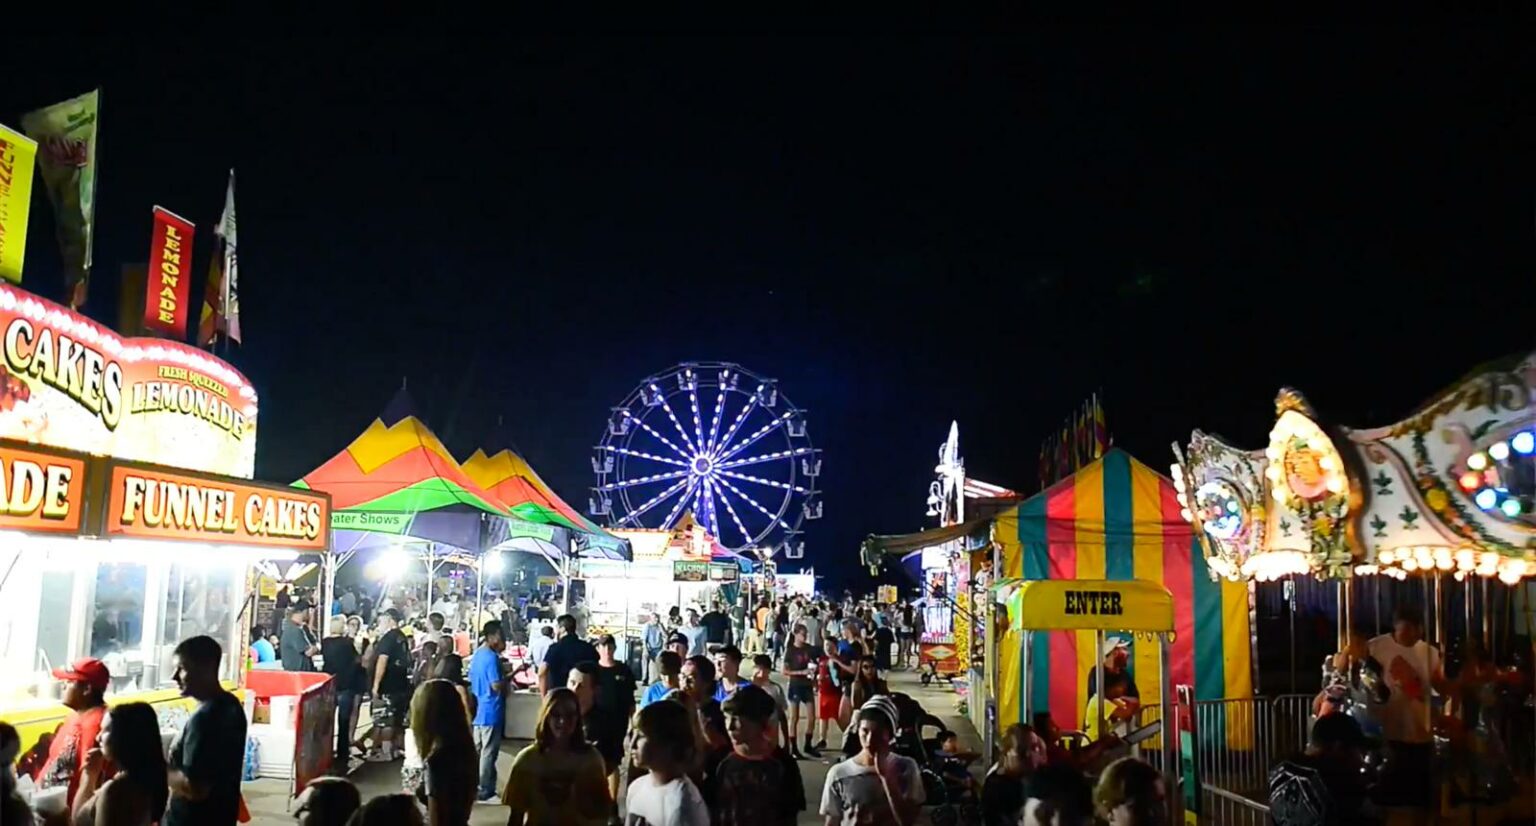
column 1501, row 479
column 668, row 450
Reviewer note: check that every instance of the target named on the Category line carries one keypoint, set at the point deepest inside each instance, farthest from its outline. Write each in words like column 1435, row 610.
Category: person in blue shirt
column 488, row 684
column 671, row 666
column 260, row 646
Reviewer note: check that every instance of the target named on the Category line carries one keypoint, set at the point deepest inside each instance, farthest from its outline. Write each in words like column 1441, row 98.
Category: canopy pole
column 1098, row 698
column 1025, row 711
column 1165, row 714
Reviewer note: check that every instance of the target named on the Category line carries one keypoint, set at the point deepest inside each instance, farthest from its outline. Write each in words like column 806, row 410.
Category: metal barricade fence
column 1239, row 741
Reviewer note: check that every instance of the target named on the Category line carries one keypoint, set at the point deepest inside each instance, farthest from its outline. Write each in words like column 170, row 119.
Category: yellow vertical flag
column 17, row 155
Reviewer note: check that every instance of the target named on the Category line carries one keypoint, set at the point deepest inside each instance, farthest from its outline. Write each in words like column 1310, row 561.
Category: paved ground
column 269, row 804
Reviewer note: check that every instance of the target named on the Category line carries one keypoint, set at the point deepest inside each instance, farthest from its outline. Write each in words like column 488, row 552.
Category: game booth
column 1115, row 520
column 130, row 520
column 1434, row 511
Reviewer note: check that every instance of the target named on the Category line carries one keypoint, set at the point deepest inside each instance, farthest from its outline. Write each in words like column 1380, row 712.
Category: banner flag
column 226, row 230
column 66, row 133
column 17, row 153
column 170, row 278
column 221, row 272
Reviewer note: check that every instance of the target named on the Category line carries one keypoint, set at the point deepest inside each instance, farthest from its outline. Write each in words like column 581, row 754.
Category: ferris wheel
column 715, row 440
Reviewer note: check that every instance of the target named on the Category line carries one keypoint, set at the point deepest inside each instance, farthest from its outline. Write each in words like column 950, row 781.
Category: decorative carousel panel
column 1221, row 489
column 1453, row 485
column 1312, row 495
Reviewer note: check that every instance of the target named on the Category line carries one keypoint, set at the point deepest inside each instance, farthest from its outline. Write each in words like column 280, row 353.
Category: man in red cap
column 85, row 696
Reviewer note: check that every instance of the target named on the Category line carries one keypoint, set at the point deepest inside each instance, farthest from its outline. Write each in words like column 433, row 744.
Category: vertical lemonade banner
column 17, row 153
column 170, row 276
column 66, row 134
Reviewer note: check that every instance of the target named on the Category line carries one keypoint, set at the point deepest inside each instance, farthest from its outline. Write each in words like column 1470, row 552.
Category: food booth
column 130, row 521
column 684, row 566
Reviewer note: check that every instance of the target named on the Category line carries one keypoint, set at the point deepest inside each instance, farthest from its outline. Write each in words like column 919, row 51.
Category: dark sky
column 903, row 231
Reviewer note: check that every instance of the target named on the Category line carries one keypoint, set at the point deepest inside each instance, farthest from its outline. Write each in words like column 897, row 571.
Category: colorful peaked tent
column 1117, row 519
column 397, row 478
column 509, row 478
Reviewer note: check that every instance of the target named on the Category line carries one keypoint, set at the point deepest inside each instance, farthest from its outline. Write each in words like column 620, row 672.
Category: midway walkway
column 270, row 806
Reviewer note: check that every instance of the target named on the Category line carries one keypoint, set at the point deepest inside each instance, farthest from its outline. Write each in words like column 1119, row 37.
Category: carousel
column 1435, row 512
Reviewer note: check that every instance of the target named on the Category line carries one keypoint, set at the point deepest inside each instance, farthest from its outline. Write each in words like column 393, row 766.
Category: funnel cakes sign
column 152, row 504
column 69, row 382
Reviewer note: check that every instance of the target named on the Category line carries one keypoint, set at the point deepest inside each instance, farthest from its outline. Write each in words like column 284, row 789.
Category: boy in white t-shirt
column 664, row 796
column 876, row 785
column 1413, row 671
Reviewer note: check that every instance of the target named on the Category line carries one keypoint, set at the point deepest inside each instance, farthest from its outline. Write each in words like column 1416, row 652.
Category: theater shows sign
column 68, row 382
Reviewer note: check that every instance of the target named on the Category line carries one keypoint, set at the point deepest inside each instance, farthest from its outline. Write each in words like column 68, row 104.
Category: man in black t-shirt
column 565, row 654
column 717, row 626
column 391, row 682
column 203, row 771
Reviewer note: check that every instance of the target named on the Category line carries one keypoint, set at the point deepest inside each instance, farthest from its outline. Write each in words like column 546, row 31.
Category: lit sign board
column 66, row 381
column 154, row 504
column 40, row 492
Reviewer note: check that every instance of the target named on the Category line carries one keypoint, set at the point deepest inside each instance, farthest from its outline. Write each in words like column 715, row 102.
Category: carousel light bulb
column 1335, row 484
column 1519, row 566
column 1511, row 507
column 1459, row 576
column 1423, row 556
column 1470, row 480
column 1386, row 556
column 1272, row 453
column 1486, row 498
column 1444, row 564
column 1524, row 442
column 1509, row 577
column 1279, row 494
column 1326, row 463
column 1477, row 461
column 1183, row 500
column 1498, row 451
column 1488, row 559
column 1443, row 553
column 1410, row 564
column 1188, row 517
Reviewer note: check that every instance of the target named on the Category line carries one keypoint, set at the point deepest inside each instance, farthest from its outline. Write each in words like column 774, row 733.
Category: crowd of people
column 732, row 699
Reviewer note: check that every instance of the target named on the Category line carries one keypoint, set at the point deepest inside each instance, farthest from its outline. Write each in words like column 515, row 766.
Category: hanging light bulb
column 1524, row 442
column 1498, row 451
column 1477, row 461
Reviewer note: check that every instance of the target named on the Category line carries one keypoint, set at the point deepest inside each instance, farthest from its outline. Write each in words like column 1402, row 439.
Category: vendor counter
column 172, row 708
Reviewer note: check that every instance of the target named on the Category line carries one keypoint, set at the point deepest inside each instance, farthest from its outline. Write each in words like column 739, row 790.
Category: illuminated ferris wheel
column 715, row 440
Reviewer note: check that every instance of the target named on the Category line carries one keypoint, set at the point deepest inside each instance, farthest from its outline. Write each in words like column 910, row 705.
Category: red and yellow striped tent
column 1117, row 519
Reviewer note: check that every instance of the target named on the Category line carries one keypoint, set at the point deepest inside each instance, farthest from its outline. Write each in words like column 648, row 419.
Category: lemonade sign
column 69, row 382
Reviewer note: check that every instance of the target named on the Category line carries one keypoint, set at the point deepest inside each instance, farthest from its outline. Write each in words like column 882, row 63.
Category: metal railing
column 1238, row 742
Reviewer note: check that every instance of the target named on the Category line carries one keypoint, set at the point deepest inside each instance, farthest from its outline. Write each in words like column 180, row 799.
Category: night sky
column 903, row 231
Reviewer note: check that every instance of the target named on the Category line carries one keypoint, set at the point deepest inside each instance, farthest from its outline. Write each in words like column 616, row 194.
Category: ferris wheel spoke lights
column 624, row 451
column 746, row 478
column 730, row 509
column 656, row 500
column 660, row 438
column 754, row 503
column 643, row 480
column 766, row 457
column 746, row 411
column 682, row 502
column 758, row 435
column 675, row 423
column 706, row 456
